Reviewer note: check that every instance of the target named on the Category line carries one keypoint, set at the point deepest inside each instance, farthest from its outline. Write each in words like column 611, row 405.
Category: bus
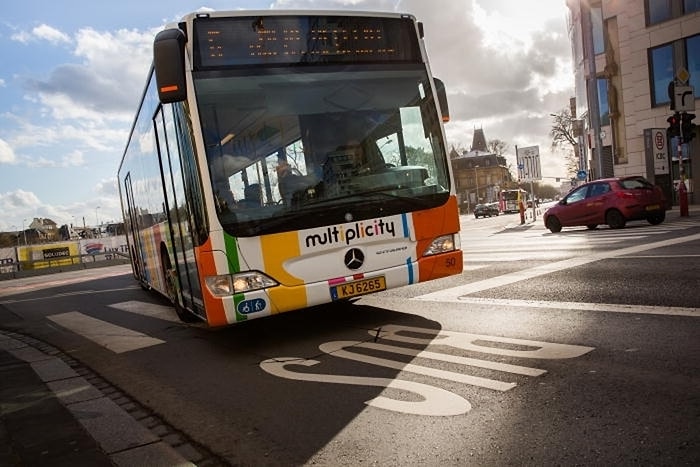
column 283, row 160
column 509, row 200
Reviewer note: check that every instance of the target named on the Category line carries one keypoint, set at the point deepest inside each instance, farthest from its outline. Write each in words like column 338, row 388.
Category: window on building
column 597, row 29
column 658, row 11
column 661, row 72
column 692, row 54
column 690, row 6
column 603, row 104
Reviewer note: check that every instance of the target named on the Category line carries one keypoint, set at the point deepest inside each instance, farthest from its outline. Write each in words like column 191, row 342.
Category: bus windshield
column 290, row 147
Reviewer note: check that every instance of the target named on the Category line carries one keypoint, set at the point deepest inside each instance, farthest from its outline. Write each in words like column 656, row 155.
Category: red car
column 611, row 201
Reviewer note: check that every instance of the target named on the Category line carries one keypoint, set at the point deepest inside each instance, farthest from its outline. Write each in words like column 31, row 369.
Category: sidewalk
column 51, row 415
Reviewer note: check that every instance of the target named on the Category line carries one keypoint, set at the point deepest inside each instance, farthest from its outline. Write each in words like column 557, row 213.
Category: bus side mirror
column 169, row 65
column 442, row 99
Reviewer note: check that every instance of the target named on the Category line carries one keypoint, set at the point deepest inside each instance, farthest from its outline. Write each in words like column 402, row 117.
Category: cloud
column 7, row 154
column 74, row 159
column 108, row 187
column 108, row 81
column 43, row 32
column 17, row 201
column 50, row 34
column 366, row 5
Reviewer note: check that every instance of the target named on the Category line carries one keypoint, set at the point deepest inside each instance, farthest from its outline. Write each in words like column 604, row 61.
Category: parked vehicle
column 484, row 210
column 611, row 201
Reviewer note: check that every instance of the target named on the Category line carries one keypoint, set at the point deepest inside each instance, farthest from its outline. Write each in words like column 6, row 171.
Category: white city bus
column 281, row 160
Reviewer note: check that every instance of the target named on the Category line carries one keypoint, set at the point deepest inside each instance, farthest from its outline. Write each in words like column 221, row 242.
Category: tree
column 497, row 146
column 564, row 138
column 544, row 191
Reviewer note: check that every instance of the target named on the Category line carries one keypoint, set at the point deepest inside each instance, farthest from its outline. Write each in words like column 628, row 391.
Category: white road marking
column 67, row 294
column 488, row 364
column 28, row 284
column 472, row 342
column 436, row 401
column 108, row 335
column 337, row 349
column 166, row 313
column 454, row 293
column 606, row 307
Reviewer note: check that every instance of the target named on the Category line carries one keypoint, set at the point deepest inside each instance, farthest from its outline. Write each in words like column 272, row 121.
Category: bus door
column 188, row 294
column 133, row 228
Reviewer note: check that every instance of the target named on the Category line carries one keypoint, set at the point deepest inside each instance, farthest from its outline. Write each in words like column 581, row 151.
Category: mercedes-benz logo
column 354, row 258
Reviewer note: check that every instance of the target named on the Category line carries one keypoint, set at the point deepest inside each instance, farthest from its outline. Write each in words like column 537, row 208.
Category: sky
column 73, row 72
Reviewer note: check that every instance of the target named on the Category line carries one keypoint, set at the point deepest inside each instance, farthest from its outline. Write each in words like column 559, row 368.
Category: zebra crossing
column 113, row 337
column 537, row 243
column 391, row 343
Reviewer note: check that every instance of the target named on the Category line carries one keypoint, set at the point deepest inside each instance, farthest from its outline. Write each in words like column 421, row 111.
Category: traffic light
column 688, row 127
column 674, row 126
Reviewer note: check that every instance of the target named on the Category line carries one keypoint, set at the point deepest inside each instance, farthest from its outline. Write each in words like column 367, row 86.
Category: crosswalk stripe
column 113, row 337
column 454, row 293
column 151, row 310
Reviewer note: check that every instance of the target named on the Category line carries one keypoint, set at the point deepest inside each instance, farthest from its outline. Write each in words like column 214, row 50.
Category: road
column 572, row 348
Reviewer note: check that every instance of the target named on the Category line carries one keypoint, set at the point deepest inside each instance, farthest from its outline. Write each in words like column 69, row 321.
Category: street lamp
column 476, row 181
column 97, row 221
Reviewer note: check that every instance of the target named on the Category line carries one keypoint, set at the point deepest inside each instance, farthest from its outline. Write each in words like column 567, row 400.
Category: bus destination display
column 226, row 42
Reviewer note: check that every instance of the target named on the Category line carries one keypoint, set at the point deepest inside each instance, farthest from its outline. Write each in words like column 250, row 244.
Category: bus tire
column 171, row 292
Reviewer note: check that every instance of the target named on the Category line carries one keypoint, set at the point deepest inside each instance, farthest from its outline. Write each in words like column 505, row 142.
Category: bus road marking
column 435, row 401
column 108, row 335
column 454, row 293
column 337, row 349
column 487, row 364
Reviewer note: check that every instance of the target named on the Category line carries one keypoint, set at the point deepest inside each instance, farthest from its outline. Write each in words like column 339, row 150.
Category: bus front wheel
column 171, row 290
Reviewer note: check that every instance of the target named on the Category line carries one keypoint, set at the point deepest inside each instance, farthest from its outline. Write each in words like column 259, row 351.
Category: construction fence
column 71, row 253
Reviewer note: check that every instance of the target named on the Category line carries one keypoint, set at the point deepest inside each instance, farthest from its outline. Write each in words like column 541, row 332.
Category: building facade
column 479, row 174
column 625, row 54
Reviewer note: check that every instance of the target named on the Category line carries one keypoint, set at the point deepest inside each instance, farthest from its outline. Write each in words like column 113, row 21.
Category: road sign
column 684, row 98
column 581, row 175
column 529, row 159
column 682, row 75
column 660, row 150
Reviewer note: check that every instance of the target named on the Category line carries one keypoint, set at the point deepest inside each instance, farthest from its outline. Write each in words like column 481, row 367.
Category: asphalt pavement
column 52, row 412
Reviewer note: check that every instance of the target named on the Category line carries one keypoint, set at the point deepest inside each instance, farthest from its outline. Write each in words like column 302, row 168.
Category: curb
column 128, row 433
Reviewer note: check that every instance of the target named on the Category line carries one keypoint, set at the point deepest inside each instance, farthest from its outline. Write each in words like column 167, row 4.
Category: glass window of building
column 690, row 6
column 597, row 28
column 603, row 104
column 661, row 72
column 658, row 11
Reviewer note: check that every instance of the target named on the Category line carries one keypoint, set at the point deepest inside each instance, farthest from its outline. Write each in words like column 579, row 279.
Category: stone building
column 625, row 54
column 479, row 174
column 42, row 230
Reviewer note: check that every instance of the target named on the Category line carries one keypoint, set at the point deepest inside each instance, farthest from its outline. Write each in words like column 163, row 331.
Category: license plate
column 355, row 288
column 653, row 207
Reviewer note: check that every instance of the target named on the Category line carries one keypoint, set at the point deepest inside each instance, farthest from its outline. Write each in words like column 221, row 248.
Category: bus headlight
column 440, row 245
column 229, row 284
